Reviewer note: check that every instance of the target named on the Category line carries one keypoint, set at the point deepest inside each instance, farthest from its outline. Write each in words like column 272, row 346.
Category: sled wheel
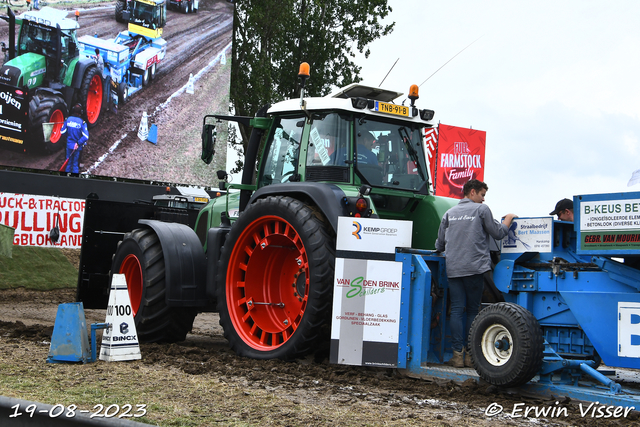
column 140, row 258
column 47, row 108
column 506, row 344
column 145, row 77
column 276, row 279
column 123, row 93
column 91, row 96
column 152, row 71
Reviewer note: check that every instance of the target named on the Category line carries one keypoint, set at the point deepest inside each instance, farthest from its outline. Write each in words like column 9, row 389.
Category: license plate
column 396, row 110
column 201, row 199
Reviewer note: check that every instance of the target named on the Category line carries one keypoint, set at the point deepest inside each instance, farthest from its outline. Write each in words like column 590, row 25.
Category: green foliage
column 272, row 38
column 37, row 268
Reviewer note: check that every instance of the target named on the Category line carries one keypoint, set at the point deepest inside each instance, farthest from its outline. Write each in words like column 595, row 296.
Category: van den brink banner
column 459, row 158
column 34, row 216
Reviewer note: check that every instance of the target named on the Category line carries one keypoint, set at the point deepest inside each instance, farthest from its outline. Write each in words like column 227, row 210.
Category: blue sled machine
column 132, row 57
column 568, row 304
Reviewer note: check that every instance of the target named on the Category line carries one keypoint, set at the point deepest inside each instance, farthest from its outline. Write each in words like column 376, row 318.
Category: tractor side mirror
column 208, row 142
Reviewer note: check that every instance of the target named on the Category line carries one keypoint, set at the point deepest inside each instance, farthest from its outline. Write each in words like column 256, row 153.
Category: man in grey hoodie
column 464, row 234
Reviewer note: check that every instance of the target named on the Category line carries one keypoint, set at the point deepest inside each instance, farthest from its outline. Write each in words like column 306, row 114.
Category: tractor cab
column 46, row 47
column 146, row 18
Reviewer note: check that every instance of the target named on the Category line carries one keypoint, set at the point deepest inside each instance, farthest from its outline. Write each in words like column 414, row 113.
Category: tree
column 272, row 38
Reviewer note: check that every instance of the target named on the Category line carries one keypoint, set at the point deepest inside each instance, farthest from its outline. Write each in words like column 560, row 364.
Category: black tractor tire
column 275, row 280
column 519, row 357
column 140, row 258
column 46, row 108
column 91, row 96
column 185, row 6
column 120, row 7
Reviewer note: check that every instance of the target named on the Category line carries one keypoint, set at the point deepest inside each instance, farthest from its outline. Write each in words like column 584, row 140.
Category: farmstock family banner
column 455, row 156
column 33, row 217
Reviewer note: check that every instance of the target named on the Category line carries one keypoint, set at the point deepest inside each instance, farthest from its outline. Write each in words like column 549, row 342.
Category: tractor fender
column 502, row 275
column 185, row 264
column 78, row 73
column 216, row 237
column 327, row 197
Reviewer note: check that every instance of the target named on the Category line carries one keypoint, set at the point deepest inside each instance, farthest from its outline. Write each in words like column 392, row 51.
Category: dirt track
column 193, row 41
column 329, row 394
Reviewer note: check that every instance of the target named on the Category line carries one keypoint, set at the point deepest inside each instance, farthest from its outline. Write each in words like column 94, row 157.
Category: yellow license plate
column 397, row 110
column 200, row 199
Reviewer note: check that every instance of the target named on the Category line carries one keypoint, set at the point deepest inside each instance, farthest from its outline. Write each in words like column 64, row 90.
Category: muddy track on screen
column 193, row 40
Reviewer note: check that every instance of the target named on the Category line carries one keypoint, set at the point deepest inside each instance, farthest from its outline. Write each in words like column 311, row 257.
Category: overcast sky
column 555, row 84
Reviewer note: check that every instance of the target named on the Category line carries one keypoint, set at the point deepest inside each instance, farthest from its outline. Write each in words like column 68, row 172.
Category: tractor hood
column 30, row 66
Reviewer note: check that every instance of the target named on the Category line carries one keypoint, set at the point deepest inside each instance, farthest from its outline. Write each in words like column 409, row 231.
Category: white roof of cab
column 50, row 17
column 341, row 100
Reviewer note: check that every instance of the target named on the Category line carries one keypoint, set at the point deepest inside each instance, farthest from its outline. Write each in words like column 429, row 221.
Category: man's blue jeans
column 466, row 295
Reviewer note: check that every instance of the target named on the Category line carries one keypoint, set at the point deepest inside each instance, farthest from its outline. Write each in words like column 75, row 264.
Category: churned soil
column 309, row 391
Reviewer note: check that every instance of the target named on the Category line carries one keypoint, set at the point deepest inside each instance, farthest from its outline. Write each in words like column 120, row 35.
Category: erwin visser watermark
column 591, row 410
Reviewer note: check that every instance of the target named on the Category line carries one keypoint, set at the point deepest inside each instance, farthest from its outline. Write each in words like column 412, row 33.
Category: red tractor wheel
column 140, row 258
column 47, row 108
column 276, row 279
column 91, row 96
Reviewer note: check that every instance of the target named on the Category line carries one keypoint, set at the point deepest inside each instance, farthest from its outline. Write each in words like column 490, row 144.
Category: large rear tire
column 47, row 108
column 91, row 96
column 275, row 279
column 140, row 258
column 120, row 5
column 506, row 344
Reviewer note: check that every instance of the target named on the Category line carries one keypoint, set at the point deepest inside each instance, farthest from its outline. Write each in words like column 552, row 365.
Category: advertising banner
column 366, row 296
column 460, row 157
column 529, row 235
column 610, row 224
column 33, row 217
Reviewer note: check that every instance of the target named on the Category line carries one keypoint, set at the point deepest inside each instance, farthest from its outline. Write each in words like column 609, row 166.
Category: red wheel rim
column 94, row 99
column 57, row 118
column 132, row 271
column 268, row 267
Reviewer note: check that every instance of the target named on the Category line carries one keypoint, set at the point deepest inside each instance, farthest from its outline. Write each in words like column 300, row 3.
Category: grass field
column 37, row 268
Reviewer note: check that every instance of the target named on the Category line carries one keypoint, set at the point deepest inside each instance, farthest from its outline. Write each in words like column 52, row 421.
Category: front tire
column 47, row 108
column 275, row 279
column 140, row 258
column 506, row 344
column 91, row 96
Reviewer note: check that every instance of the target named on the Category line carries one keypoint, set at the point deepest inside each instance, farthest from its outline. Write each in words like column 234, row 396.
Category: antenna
column 385, row 77
column 451, row 59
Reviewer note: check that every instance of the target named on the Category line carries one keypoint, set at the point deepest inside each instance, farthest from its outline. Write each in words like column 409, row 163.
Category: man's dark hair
column 473, row 184
column 76, row 110
column 97, row 51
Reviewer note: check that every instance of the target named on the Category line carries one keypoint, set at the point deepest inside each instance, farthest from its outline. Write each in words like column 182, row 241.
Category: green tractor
column 42, row 78
column 263, row 255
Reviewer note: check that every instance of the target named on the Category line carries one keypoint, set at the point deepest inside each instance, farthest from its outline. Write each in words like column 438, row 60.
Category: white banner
column 373, row 235
column 529, row 235
column 33, row 217
column 610, row 215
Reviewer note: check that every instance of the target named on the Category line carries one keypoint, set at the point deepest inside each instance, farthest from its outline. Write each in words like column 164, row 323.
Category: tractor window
column 328, row 140
column 148, row 16
column 390, row 154
column 281, row 152
column 36, row 39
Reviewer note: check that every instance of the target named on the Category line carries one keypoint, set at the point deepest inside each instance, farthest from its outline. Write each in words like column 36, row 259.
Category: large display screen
column 143, row 112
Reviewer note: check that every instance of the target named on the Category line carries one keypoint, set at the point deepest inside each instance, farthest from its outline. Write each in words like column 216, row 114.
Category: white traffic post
column 120, row 340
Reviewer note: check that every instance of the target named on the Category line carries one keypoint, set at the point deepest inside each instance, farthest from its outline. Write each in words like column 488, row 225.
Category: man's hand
column 75, row 147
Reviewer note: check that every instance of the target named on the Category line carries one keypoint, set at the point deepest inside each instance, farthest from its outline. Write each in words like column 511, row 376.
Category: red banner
column 459, row 158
